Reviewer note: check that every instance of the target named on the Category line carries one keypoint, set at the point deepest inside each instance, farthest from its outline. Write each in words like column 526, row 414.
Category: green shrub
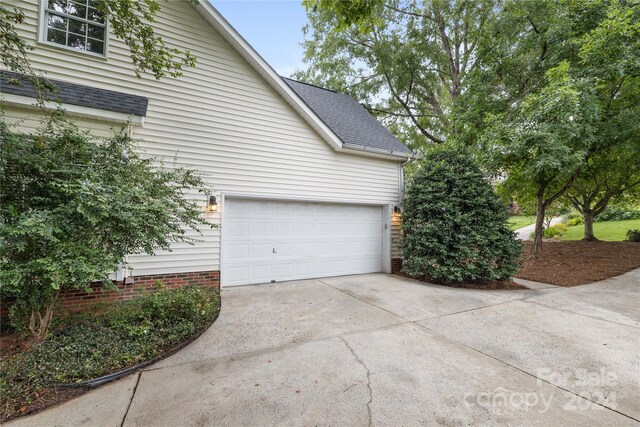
column 555, row 231
column 454, row 226
column 617, row 213
column 633, row 236
column 571, row 222
column 72, row 206
column 88, row 346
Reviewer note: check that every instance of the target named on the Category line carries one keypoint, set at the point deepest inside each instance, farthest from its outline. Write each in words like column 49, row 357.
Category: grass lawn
column 612, row 231
column 516, row 222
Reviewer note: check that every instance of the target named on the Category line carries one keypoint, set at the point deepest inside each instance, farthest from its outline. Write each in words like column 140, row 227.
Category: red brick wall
column 73, row 300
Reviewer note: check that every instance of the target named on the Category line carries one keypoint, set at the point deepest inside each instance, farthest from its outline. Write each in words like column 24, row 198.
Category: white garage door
column 265, row 241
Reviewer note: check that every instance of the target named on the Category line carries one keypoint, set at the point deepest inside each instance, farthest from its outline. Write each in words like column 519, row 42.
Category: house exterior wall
column 220, row 118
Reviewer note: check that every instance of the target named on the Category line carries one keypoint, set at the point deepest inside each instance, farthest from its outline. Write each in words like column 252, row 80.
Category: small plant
column 571, row 222
column 633, row 236
column 555, row 231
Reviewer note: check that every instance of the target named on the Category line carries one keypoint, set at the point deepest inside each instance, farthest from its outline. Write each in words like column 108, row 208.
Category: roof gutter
column 396, row 154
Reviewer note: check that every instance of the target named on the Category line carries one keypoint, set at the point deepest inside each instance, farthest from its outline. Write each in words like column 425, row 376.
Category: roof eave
column 244, row 49
column 396, row 155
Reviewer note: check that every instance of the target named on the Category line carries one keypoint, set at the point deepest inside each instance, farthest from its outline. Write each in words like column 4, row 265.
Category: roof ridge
column 312, row 85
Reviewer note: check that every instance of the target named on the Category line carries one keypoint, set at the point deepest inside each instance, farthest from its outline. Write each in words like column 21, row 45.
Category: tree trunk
column 539, row 230
column 39, row 321
column 588, row 226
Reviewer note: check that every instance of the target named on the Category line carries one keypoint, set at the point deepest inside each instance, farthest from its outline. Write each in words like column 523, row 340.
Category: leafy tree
column 72, row 207
column 606, row 178
column 406, row 60
column 543, row 146
column 454, row 226
column 541, row 102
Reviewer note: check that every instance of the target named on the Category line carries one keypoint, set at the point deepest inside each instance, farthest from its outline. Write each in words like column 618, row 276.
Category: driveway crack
column 361, row 362
column 135, row 388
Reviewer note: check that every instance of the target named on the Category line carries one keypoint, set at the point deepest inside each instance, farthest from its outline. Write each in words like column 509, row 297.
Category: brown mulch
column 572, row 263
column 489, row 285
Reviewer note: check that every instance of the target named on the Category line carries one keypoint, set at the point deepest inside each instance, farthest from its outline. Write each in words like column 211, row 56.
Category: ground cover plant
column 86, row 346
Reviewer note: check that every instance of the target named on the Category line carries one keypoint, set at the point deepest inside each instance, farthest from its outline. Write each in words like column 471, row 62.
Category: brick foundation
column 75, row 300
column 396, row 265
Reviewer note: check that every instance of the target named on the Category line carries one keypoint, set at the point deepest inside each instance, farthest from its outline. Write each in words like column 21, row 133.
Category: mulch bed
column 573, row 263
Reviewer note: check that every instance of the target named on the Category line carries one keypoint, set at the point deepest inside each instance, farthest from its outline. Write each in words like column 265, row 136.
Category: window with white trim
column 75, row 24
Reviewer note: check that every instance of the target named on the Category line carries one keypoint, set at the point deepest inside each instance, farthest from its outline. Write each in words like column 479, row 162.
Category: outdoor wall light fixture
column 396, row 209
column 212, row 206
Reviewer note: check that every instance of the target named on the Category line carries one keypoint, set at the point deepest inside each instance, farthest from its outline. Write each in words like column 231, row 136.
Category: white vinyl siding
column 224, row 120
column 23, row 120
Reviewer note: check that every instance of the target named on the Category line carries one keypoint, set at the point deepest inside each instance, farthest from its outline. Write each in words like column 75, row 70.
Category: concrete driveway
column 383, row 350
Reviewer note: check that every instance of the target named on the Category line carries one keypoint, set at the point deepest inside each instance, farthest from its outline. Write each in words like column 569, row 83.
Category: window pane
column 77, row 27
column 57, row 22
column 57, row 5
column 96, row 32
column 56, row 36
column 76, row 9
column 75, row 41
column 95, row 46
column 94, row 15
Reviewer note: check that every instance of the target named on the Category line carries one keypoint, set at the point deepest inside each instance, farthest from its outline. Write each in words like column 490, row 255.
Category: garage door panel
column 261, row 250
column 238, row 251
column 268, row 241
column 237, row 229
column 284, row 229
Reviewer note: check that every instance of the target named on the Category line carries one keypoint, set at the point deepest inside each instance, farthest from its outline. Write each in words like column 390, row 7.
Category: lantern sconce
column 212, row 204
column 396, row 209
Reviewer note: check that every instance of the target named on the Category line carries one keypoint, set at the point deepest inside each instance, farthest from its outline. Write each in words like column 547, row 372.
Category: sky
column 272, row 27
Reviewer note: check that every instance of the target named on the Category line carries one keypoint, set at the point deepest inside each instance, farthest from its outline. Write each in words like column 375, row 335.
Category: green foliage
column 454, row 226
column 574, row 221
column 618, row 213
column 555, row 231
column 125, row 334
column 72, row 207
column 132, row 22
column 633, row 236
column 360, row 13
column 406, row 61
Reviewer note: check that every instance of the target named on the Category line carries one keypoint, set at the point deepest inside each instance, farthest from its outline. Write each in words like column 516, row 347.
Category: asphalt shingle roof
column 75, row 94
column 349, row 120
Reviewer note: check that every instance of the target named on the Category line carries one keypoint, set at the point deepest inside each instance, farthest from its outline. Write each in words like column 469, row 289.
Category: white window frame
column 42, row 33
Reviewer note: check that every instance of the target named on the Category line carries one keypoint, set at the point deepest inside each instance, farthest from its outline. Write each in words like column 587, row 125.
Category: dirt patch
column 573, row 263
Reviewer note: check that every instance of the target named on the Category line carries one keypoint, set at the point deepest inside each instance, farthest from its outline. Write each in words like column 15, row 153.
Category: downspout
column 401, row 179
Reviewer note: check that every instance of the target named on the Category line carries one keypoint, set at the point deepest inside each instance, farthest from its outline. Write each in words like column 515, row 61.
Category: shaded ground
column 384, row 350
column 487, row 285
column 572, row 263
